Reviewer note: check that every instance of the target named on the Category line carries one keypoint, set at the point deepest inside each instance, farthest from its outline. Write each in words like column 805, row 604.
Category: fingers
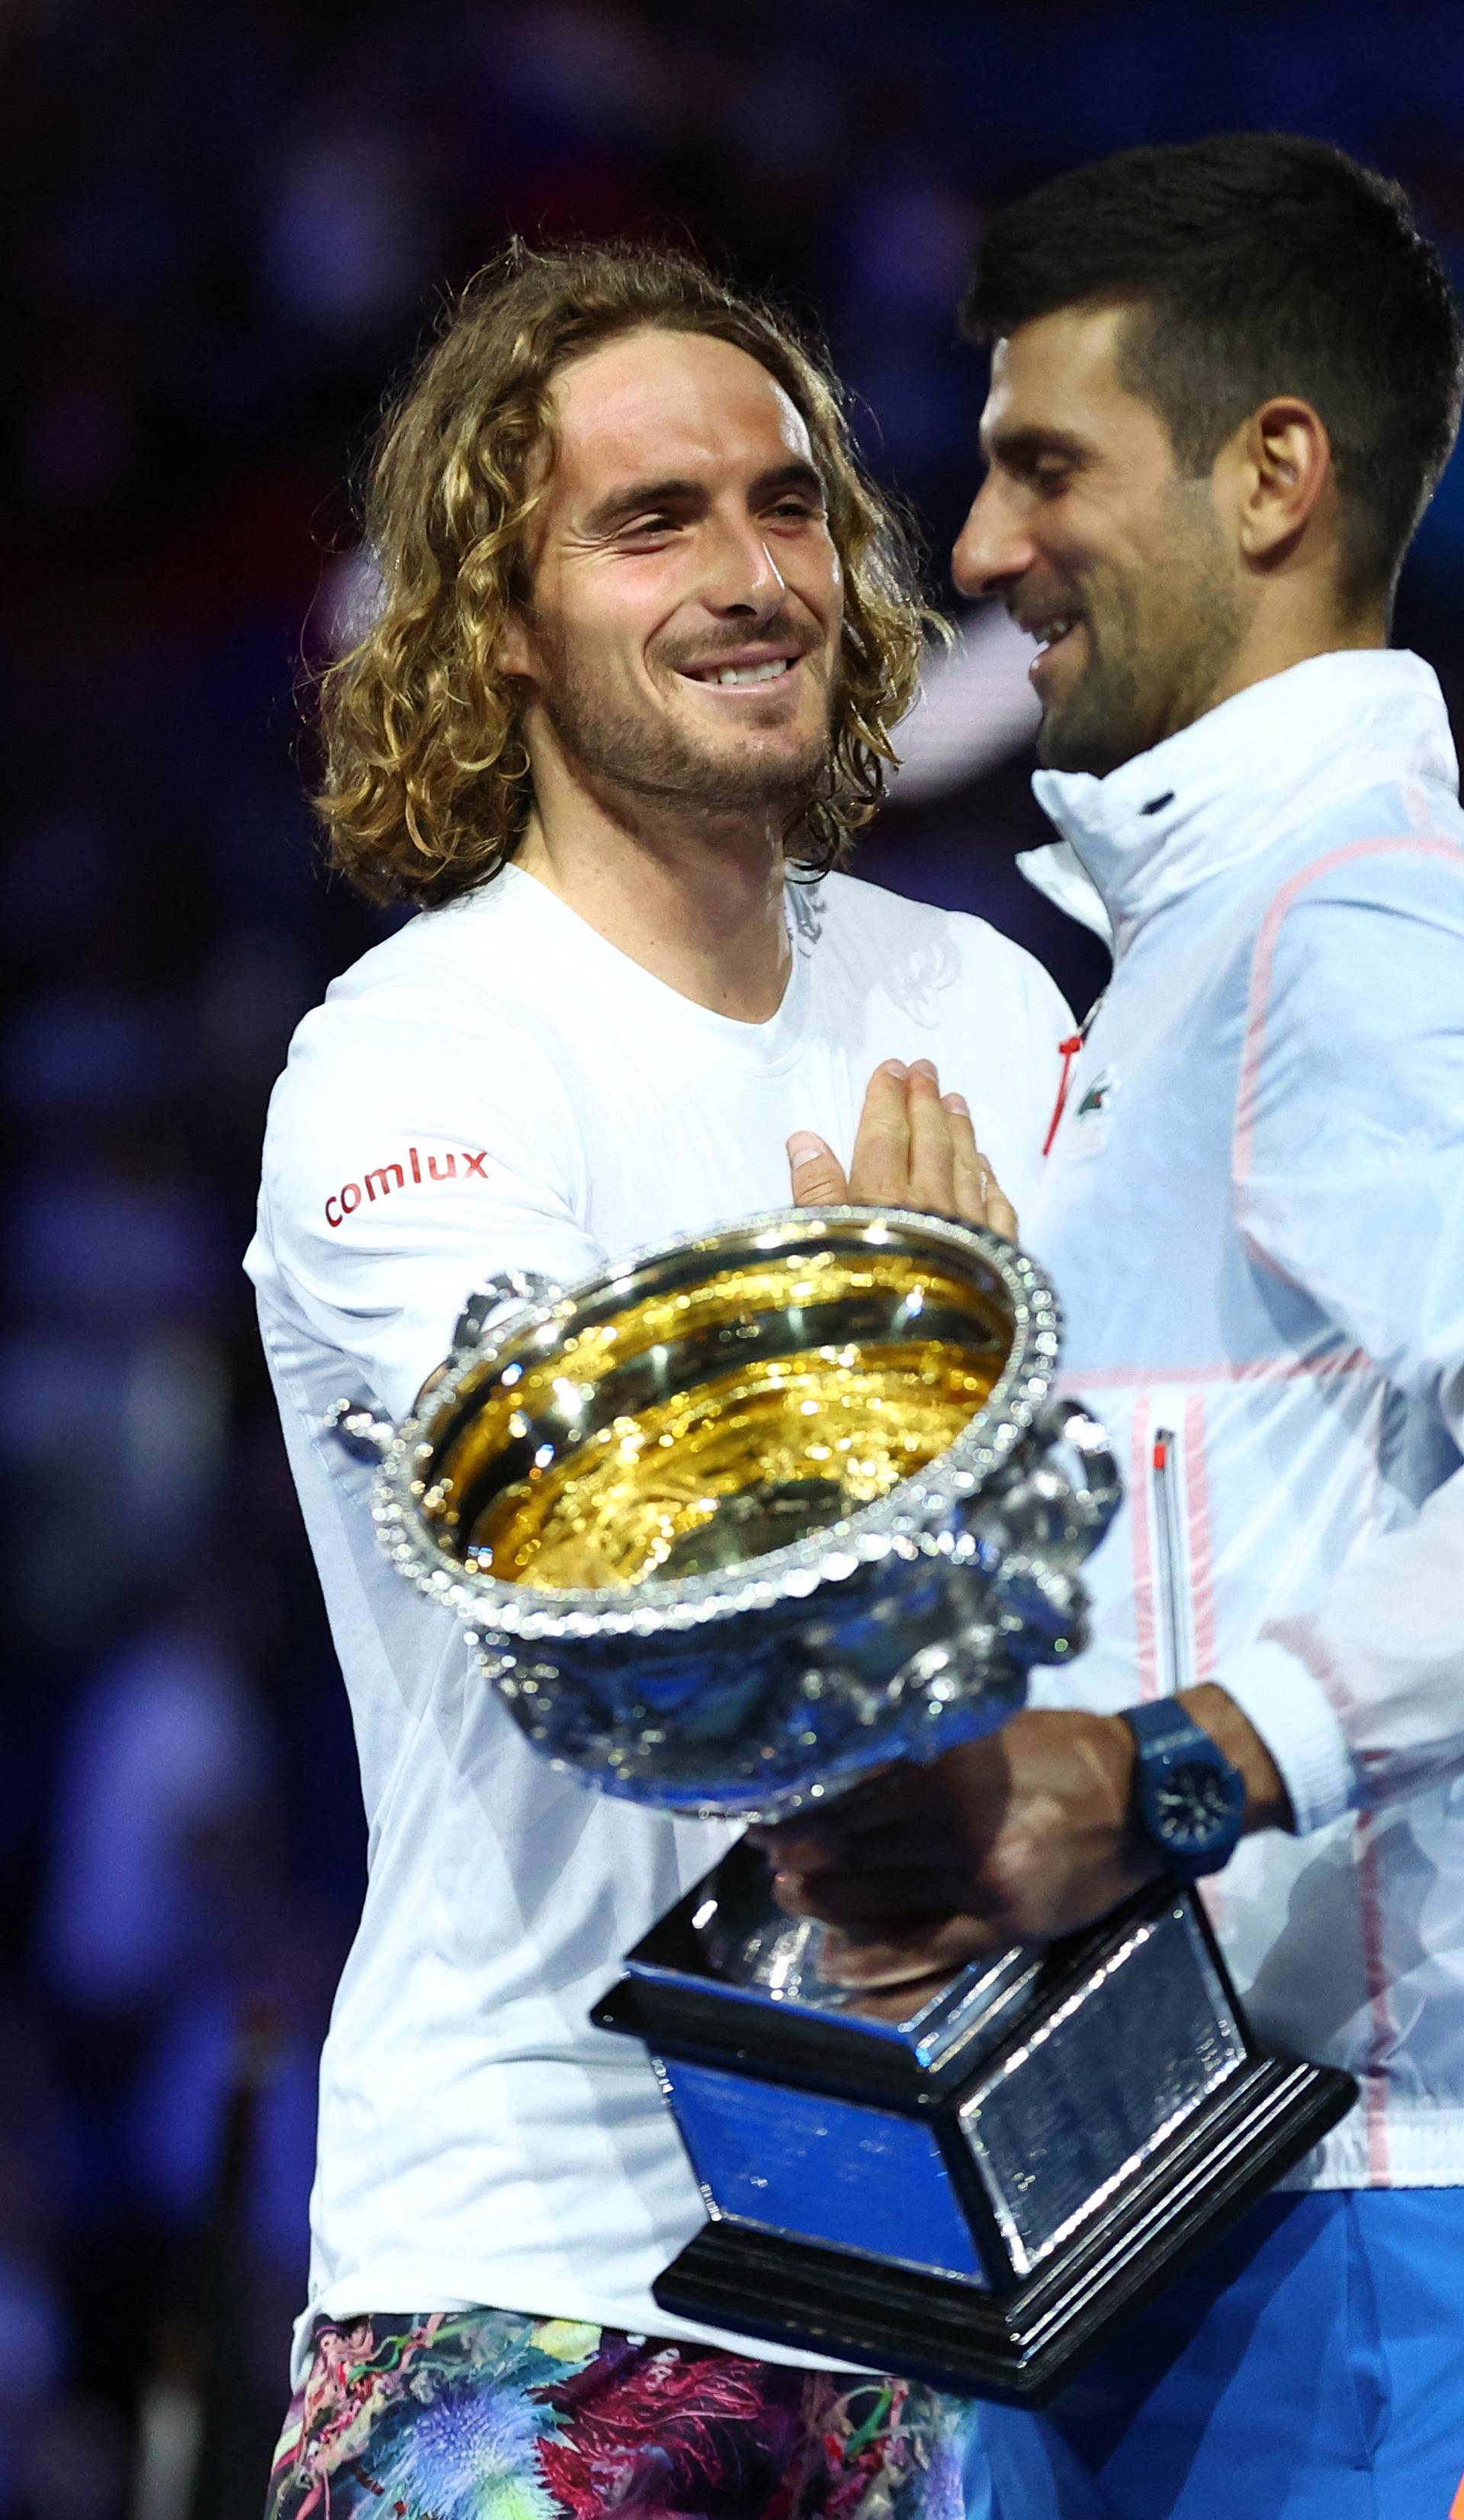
column 875, row 1902
column 903, row 1154
column 880, row 1174
column 891, row 1817
column 934, row 1948
column 891, row 1929
column 818, row 1177
column 915, row 1148
column 930, row 1165
column 1001, row 1216
column 980, row 1198
column 971, row 1171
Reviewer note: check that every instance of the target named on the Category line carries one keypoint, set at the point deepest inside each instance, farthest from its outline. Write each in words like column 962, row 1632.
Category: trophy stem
column 747, row 1940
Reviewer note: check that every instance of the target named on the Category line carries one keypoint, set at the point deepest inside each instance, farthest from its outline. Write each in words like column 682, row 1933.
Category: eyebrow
column 1019, row 446
column 616, row 504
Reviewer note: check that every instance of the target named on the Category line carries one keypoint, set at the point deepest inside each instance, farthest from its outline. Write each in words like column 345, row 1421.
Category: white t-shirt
column 495, row 1086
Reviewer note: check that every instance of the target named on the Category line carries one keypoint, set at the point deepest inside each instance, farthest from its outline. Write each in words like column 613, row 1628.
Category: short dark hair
column 1257, row 264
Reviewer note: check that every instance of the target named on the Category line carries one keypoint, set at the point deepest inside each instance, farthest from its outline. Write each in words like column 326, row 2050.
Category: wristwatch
column 1187, row 1797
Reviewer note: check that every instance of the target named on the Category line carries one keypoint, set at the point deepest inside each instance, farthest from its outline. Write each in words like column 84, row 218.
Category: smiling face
column 1118, row 564
column 682, row 636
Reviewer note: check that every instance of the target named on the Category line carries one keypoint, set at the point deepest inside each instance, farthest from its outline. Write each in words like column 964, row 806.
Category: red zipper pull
column 1068, row 1050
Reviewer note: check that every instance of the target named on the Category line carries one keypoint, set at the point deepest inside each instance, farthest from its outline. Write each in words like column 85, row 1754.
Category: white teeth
column 767, row 673
column 1052, row 630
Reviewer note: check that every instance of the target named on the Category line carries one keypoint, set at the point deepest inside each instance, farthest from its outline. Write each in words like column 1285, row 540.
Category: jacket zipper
column 1068, row 1050
column 1171, row 1564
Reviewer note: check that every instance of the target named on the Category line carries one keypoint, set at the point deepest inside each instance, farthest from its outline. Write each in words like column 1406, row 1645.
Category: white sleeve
column 407, row 1158
column 1350, row 1183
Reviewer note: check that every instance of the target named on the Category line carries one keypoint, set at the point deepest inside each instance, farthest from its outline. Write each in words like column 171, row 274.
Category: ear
column 514, row 653
column 1284, row 475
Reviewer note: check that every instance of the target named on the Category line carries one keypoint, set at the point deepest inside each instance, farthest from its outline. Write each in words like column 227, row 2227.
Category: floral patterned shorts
column 487, row 2415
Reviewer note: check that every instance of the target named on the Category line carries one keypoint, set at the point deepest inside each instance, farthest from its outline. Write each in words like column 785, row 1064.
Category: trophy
column 730, row 1526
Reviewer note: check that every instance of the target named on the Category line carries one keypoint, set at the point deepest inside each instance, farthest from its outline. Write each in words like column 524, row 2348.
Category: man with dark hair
column 1225, row 381
column 1252, row 265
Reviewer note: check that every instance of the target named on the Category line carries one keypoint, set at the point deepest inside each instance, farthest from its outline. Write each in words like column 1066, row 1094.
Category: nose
column 742, row 576
column 992, row 549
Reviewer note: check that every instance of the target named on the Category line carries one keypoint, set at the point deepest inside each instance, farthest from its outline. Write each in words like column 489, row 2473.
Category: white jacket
column 1255, row 1215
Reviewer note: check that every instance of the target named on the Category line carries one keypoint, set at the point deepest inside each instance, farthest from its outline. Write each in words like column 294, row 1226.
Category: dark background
column 227, row 225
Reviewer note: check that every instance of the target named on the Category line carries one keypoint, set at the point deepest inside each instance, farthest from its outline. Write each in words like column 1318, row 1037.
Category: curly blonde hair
column 427, row 783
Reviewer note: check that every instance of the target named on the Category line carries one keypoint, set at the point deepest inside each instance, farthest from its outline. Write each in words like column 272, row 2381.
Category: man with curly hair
column 644, row 637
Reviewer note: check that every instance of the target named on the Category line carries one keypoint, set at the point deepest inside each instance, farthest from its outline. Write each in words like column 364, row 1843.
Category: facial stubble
column 642, row 752
column 1161, row 648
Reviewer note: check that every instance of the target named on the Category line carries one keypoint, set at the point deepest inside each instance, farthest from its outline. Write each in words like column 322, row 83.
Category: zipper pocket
column 1173, row 1624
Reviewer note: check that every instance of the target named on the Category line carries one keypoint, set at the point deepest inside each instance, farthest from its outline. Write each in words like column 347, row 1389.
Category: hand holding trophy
column 732, row 1526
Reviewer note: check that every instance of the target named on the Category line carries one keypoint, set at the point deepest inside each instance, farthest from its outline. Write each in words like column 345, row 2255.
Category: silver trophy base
column 1023, row 2347
column 978, row 2194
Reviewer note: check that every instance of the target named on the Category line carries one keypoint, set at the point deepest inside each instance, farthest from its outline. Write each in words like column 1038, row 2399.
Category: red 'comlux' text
column 384, row 1179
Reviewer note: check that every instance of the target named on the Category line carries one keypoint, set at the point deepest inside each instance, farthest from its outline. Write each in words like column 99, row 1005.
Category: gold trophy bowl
column 738, row 1520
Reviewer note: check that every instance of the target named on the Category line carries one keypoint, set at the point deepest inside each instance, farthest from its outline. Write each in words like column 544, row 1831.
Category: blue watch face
column 1192, row 1806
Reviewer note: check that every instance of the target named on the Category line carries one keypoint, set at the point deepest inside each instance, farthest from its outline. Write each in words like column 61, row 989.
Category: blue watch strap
column 1167, row 1741
column 1161, row 1725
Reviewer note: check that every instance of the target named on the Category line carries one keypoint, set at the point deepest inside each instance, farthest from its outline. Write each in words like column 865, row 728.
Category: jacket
column 1253, row 1211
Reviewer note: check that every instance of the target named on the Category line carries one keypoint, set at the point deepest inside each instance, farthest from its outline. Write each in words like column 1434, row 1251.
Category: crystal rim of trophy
column 894, row 1521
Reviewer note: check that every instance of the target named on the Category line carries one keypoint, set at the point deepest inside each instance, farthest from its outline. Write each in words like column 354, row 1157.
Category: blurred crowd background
column 226, row 227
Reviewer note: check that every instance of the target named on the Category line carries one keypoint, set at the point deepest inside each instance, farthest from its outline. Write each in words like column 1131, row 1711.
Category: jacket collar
column 1213, row 794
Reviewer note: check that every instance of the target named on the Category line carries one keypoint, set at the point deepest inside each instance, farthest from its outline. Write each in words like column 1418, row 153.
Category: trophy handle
column 1052, row 1517
column 506, row 1287
column 359, row 1429
column 1097, row 1492
column 367, row 1435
